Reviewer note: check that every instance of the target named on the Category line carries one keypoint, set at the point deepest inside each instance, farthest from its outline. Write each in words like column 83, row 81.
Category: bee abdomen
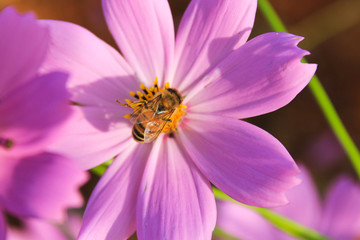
column 138, row 132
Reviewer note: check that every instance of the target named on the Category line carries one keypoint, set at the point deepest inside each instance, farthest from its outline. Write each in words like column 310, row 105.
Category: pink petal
column 175, row 200
column 42, row 185
column 32, row 115
column 209, row 31
column 304, row 204
column 261, row 76
column 341, row 218
column 98, row 73
column 23, row 45
column 242, row 160
column 110, row 213
column 73, row 224
column 94, row 135
column 144, row 32
column 37, row 230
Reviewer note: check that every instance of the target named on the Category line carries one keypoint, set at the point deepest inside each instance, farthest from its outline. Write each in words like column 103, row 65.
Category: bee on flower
column 157, row 111
column 180, row 134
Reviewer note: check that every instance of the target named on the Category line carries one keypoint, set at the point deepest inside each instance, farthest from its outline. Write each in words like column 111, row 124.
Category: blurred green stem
column 100, row 169
column 223, row 235
column 293, row 228
column 320, row 95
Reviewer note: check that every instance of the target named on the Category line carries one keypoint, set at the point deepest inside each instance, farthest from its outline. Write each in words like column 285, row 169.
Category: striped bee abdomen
column 138, row 132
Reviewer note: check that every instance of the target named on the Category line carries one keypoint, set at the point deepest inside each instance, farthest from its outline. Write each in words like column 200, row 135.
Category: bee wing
column 144, row 108
column 149, row 133
column 154, row 128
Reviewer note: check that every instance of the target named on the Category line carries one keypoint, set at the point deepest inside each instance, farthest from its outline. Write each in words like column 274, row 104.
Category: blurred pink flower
column 35, row 229
column 325, row 151
column 162, row 189
column 337, row 217
column 40, row 229
column 34, row 183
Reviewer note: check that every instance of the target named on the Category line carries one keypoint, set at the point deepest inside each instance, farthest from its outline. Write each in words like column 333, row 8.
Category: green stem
column 320, row 95
column 286, row 225
column 223, row 235
column 336, row 123
column 271, row 16
column 100, row 169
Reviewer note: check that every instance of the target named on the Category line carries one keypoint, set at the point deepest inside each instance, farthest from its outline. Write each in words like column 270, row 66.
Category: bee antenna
column 122, row 104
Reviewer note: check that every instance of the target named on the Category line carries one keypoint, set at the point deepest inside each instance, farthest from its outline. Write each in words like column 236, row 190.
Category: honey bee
column 150, row 117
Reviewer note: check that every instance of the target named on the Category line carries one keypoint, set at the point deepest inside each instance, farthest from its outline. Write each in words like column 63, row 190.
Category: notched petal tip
column 21, row 35
column 27, row 18
column 10, row 11
column 287, row 39
column 263, row 75
column 295, row 39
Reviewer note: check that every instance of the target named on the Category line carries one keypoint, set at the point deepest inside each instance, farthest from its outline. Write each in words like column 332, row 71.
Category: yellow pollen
column 144, row 100
column 183, row 106
column 172, row 125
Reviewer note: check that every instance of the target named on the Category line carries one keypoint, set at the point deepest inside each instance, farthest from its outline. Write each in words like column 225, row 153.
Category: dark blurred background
column 332, row 34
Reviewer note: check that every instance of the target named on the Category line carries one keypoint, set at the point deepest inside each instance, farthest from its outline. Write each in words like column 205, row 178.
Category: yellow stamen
column 141, row 96
column 150, row 94
column 155, row 82
column 156, row 87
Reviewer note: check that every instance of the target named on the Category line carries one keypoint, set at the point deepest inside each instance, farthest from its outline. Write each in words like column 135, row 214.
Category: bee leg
column 139, row 104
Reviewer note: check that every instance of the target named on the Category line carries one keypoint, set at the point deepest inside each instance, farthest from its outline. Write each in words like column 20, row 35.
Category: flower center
column 6, row 143
column 155, row 111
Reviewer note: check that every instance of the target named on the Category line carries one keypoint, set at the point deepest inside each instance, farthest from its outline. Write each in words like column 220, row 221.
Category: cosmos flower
column 337, row 216
column 34, row 182
column 162, row 189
